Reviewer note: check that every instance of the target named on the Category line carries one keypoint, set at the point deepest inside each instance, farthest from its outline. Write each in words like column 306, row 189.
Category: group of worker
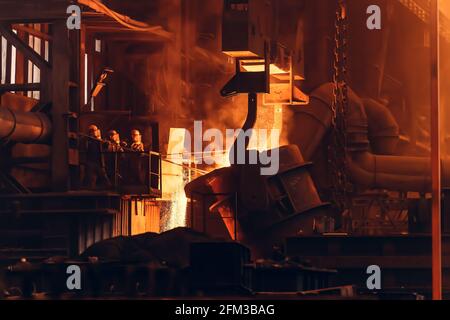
column 108, row 160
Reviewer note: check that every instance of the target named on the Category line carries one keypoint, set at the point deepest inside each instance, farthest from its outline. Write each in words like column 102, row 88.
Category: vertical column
column 435, row 154
column 60, row 76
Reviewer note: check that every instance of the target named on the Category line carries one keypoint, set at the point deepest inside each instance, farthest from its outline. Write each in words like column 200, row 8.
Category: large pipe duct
column 366, row 169
column 384, row 131
column 24, row 127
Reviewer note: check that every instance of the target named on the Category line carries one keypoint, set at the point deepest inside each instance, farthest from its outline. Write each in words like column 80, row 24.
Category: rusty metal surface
column 24, row 127
column 267, row 207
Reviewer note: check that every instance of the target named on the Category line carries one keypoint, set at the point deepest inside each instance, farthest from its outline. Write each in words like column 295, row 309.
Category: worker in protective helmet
column 115, row 157
column 136, row 141
column 94, row 131
column 114, row 142
column 136, row 159
column 95, row 172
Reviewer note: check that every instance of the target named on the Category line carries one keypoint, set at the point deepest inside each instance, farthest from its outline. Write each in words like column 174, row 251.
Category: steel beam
column 25, row 11
column 27, row 51
column 435, row 153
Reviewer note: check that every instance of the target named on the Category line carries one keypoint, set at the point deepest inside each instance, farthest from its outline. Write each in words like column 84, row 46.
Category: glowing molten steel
column 177, row 209
column 176, row 176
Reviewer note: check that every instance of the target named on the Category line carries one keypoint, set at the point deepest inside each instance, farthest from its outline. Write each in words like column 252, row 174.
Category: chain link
column 337, row 151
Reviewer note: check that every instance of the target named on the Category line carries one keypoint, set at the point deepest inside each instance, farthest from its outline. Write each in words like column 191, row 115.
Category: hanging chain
column 338, row 144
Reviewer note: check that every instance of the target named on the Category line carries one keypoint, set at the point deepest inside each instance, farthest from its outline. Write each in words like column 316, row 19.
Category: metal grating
column 421, row 9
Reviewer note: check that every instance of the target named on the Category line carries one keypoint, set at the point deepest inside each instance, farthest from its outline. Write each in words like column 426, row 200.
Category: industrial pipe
column 24, row 127
column 366, row 169
column 250, row 120
column 384, row 131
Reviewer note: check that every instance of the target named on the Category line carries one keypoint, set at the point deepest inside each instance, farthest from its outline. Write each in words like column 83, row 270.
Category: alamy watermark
column 374, row 20
column 74, row 20
column 73, row 281
column 232, row 144
column 374, row 280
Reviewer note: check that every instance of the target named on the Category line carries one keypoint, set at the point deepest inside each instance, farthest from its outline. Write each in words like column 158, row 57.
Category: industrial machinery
column 52, row 200
column 90, row 117
column 349, row 163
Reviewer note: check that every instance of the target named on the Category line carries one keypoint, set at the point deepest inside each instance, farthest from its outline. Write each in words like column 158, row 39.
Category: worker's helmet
column 93, row 130
column 136, row 136
column 112, row 133
column 135, row 132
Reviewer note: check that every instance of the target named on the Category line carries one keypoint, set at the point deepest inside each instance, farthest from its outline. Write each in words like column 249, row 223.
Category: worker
column 96, row 133
column 95, row 161
column 137, row 159
column 115, row 144
column 115, row 157
column 92, row 130
column 136, row 141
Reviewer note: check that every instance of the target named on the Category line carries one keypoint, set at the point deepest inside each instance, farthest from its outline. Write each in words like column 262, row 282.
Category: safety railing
column 122, row 171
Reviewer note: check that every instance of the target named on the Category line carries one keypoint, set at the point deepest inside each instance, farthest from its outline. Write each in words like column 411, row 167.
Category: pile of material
column 170, row 248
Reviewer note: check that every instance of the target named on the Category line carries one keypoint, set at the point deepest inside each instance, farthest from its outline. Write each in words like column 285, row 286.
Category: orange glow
column 274, row 69
column 271, row 119
column 240, row 54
